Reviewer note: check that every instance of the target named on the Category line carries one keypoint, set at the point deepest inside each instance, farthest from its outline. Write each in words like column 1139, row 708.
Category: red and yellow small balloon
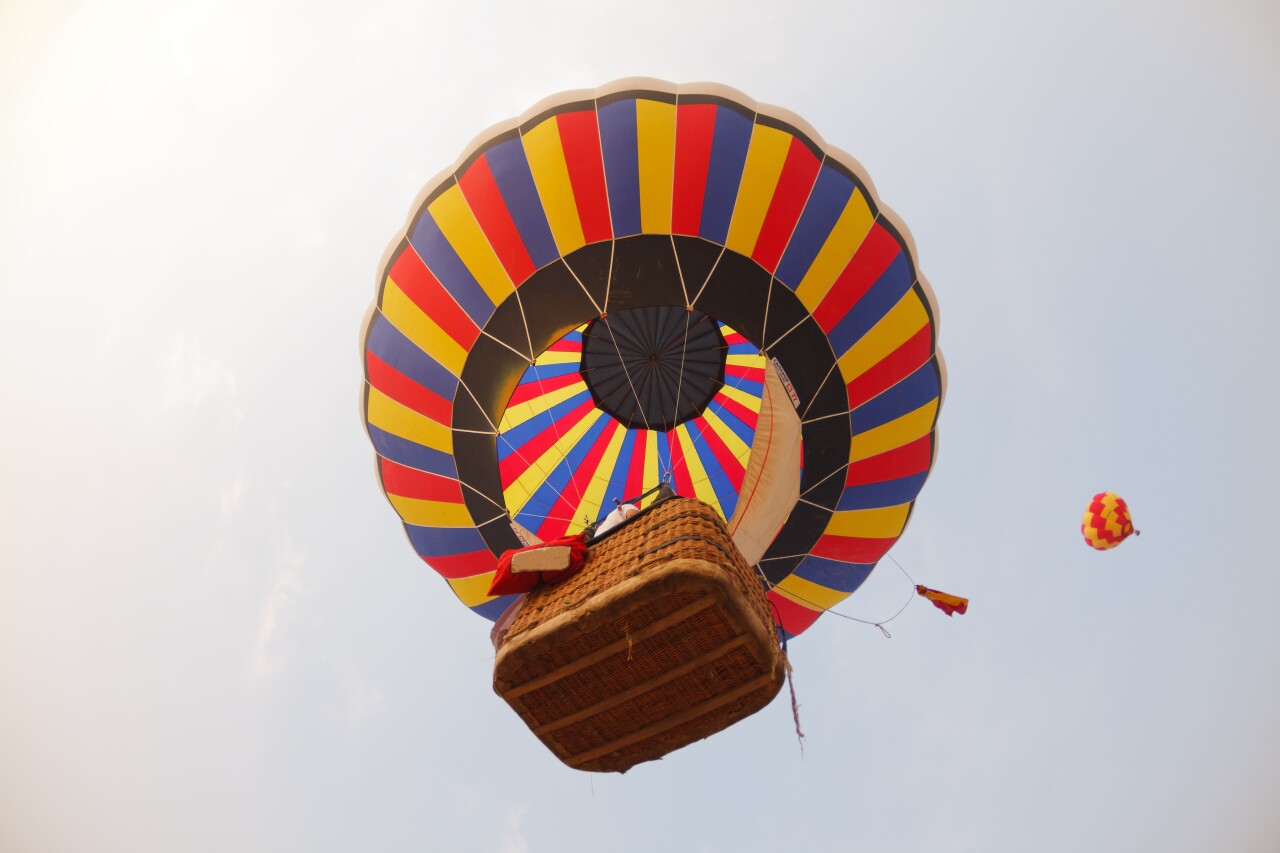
column 1106, row 522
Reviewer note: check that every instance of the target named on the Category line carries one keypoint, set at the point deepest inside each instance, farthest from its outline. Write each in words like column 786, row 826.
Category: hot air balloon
column 1106, row 521
column 644, row 284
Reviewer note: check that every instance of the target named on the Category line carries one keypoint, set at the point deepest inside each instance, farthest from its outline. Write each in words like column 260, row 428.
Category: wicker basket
column 663, row 638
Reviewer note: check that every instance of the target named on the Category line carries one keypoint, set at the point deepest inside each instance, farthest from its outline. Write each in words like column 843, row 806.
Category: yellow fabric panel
column 845, row 238
column 751, row 401
column 736, row 445
column 431, row 513
column 656, row 153
column 809, row 594
column 539, row 469
column 406, row 316
column 894, row 329
column 459, row 226
column 702, row 489
column 883, row 523
column 551, row 176
column 744, row 360
column 651, row 473
column 557, row 357
column 765, row 157
column 895, row 433
column 522, row 412
column 474, row 590
column 594, row 497
column 387, row 414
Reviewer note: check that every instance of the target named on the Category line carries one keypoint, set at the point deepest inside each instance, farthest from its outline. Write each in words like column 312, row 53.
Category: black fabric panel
column 785, row 311
column 777, row 569
column 498, row 534
column 554, row 305
column 736, row 294
column 591, row 265
column 826, row 451
column 806, row 356
column 507, row 325
column 476, row 456
column 467, row 415
column 492, row 372
column 805, row 526
column 644, row 273
column 643, row 369
column 831, row 399
column 697, row 258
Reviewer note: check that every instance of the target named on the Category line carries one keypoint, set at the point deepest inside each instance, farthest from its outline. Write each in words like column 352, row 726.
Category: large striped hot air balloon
column 1106, row 521
column 647, row 283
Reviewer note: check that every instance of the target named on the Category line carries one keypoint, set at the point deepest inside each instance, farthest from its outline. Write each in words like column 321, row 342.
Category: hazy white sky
column 214, row 636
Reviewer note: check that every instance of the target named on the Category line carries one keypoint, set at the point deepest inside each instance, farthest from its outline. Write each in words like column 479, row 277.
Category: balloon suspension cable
column 875, row 624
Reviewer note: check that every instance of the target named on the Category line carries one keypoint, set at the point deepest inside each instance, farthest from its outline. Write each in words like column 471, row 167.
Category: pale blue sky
column 214, row 636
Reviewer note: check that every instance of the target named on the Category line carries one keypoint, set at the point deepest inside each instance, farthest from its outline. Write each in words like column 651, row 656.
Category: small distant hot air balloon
column 1106, row 521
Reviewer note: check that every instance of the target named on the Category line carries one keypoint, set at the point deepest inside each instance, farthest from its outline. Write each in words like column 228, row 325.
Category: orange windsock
column 947, row 603
column 1106, row 522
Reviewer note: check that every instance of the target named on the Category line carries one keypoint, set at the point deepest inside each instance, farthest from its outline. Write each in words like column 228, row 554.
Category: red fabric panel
column 485, row 199
column 425, row 290
column 867, row 264
column 405, row 391
column 462, row 565
column 733, row 469
column 681, row 480
column 531, row 390
column 799, row 171
column 580, row 139
column 892, row 464
column 793, row 617
column 695, row 131
column 891, row 369
column 411, row 483
column 571, row 494
column 515, row 464
column 740, row 411
column 635, row 473
column 851, row 549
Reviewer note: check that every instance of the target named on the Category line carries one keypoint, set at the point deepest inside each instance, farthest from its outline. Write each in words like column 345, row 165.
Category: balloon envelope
column 1106, row 521
column 585, row 306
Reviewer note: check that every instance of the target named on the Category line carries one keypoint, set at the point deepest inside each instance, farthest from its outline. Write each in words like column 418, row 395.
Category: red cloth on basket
column 507, row 582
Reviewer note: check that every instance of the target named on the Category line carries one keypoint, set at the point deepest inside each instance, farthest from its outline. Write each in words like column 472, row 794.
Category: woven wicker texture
column 663, row 638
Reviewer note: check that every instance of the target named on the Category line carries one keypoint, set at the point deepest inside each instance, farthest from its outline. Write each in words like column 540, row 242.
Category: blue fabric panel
column 728, row 155
column 413, row 455
column 725, row 492
column 908, row 395
column 445, row 541
column 830, row 194
column 621, row 467
column 511, row 173
column 732, row 421
column 430, row 244
column 833, row 574
column 892, row 285
column 886, row 493
column 491, row 610
column 621, row 166
column 548, row 494
column 389, row 344
column 518, row 436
